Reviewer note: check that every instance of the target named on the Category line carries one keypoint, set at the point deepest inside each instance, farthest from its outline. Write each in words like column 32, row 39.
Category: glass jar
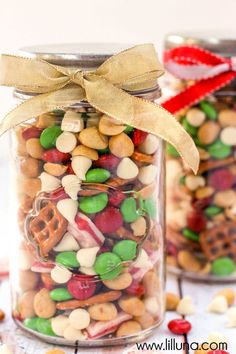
column 89, row 240
column 201, row 210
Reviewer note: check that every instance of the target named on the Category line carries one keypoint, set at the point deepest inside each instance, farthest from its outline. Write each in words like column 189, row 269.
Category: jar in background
column 201, row 209
column 89, row 197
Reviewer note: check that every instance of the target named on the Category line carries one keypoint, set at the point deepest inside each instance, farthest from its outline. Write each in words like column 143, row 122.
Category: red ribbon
column 184, row 57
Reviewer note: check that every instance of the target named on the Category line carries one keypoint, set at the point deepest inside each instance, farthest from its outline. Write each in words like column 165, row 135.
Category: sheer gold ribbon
column 104, row 88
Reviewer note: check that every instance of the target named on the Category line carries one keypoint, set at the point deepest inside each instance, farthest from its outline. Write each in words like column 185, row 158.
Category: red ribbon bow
column 209, row 71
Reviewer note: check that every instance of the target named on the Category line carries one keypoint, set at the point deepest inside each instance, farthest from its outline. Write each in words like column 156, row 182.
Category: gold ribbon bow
column 105, row 89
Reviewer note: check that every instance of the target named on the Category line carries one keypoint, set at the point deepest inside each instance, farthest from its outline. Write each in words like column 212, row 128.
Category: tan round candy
column 74, row 334
column 121, row 145
column 34, row 148
column 132, row 305
column 208, row 132
column 121, row 282
column 66, row 142
column 150, row 144
column 72, row 122
column 54, row 169
column 225, row 198
column 139, row 226
column 151, row 283
column 44, row 306
column 188, row 261
column 28, row 280
column 87, row 256
column 79, row 318
column 67, row 243
column 30, row 167
column 194, row 182
column 46, row 120
column 48, row 182
column 81, row 165
column 109, row 126
column 195, row 117
column 82, row 150
column 68, row 208
column 60, row 274
column 128, row 328
column 31, row 186
column 152, row 306
column 147, row 174
column 172, row 301
column 103, row 312
column 229, row 294
column 227, row 117
column 146, row 320
column 92, row 138
column 228, row 136
column 204, row 192
column 127, row 169
column 26, row 304
column 59, row 324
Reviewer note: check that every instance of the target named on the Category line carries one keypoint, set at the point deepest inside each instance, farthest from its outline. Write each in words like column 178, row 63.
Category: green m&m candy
column 212, row 210
column 97, row 175
column 49, row 136
column 60, row 294
column 128, row 129
column 67, row 259
column 94, row 204
column 208, row 109
column 191, row 235
column 44, row 326
column 31, row 323
column 129, row 209
column 150, row 207
column 189, row 128
column 108, row 265
column 219, row 151
column 223, row 266
column 125, row 249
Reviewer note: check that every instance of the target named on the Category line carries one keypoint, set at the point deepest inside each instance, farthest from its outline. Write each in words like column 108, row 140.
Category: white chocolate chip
column 25, row 259
column 147, row 174
column 142, row 261
column 73, row 334
column 185, row 306
column 231, row 317
column 5, row 350
column 67, row 243
column 86, row 256
column 139, row 226
column 87, row 270
column 59, row 324
column 81, row 165
column 48, row 182
column 72, row 122
column 60, row 274
column 195, row 117
column 68, row 208
column 151, row 304
column 194, row 182
column 127, row 169
column 79, row 319
column 228, row 136
column 72, row 185
column 216, row 337
column 150, row 144
column 218, row 305
column 66, row 142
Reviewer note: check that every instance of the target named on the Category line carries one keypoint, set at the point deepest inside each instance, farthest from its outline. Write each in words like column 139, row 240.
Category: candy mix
column 90, row 216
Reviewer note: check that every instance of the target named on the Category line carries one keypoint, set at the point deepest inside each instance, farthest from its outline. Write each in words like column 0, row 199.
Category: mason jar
column 88, row 264
column 201, row 209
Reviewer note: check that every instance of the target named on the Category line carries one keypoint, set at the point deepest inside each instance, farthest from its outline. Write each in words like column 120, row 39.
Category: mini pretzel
column 47, row 228
column 220, row 241
column 97, row 299
column 140, row 157
column 210, row 165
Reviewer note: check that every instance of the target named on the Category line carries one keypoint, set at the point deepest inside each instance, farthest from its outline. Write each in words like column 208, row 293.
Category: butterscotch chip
column 132, row 305
column 188, row 261
column 82, row 150
column 172, row 301
column 54, row 169
column 121, row 145
column 127, row 328
column 45, row 120
column 229, row 294
column 93, row 139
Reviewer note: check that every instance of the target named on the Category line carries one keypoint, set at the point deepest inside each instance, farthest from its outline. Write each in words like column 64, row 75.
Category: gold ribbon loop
column 60, row 87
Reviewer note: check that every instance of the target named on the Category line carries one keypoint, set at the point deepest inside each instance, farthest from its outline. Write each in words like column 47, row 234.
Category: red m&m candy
column 109, row 220
column 81, row 287
column 179, row 326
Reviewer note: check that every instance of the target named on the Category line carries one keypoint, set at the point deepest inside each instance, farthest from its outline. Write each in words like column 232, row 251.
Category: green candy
column 189, row 128
column 94, row 204
column 191, row 235
column 67, row 259
column 103, row 151
column 60, row 294
column 212, row 210
column 49, row 136
column 125, row 249
column 129, row 210
column 223, row 266
column 31, row 323
column 171, row 150
column 44, row 326
column 97, row 175
column 128, row 129
column 150, row 207
column 182, row 180
column 219, row 151
column 208, row 109
column 108, row 265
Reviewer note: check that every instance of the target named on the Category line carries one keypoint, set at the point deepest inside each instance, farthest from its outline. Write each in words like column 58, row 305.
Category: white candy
column 231, row 317
column 59, row 324
column 87, row 270
column 72, row 122
column 216, row 337
column 152, row 306
column 185, row 306
column 80, row 165
column 228, row 136
column 127, row 169
column 150, row 144
column 147, row 174
column 86, row 256
column 194, row 182
column 5, row 350
column 74, row 334
column 218, row 305
column 48, row 182
column 72, row 185
column 66, row 142
column 68, row 208
column 25, row 259
column 60, row 275
column 67, row 243
column 139, row 226
column 195, row 117
column 142, row 261
column 79, row 319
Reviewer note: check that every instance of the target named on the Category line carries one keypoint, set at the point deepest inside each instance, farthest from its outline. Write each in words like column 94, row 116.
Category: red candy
column 109, row 220
column 136, row 289
column 218, row 352
column 108, row 161
column 116, row 197
column 69, row 170
column 138, row 137
column 221, row 179
column 81, row 287
column 196, row 221
column 53, row 155
column 201, row 203
column 31, row 132
column 179, row 326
